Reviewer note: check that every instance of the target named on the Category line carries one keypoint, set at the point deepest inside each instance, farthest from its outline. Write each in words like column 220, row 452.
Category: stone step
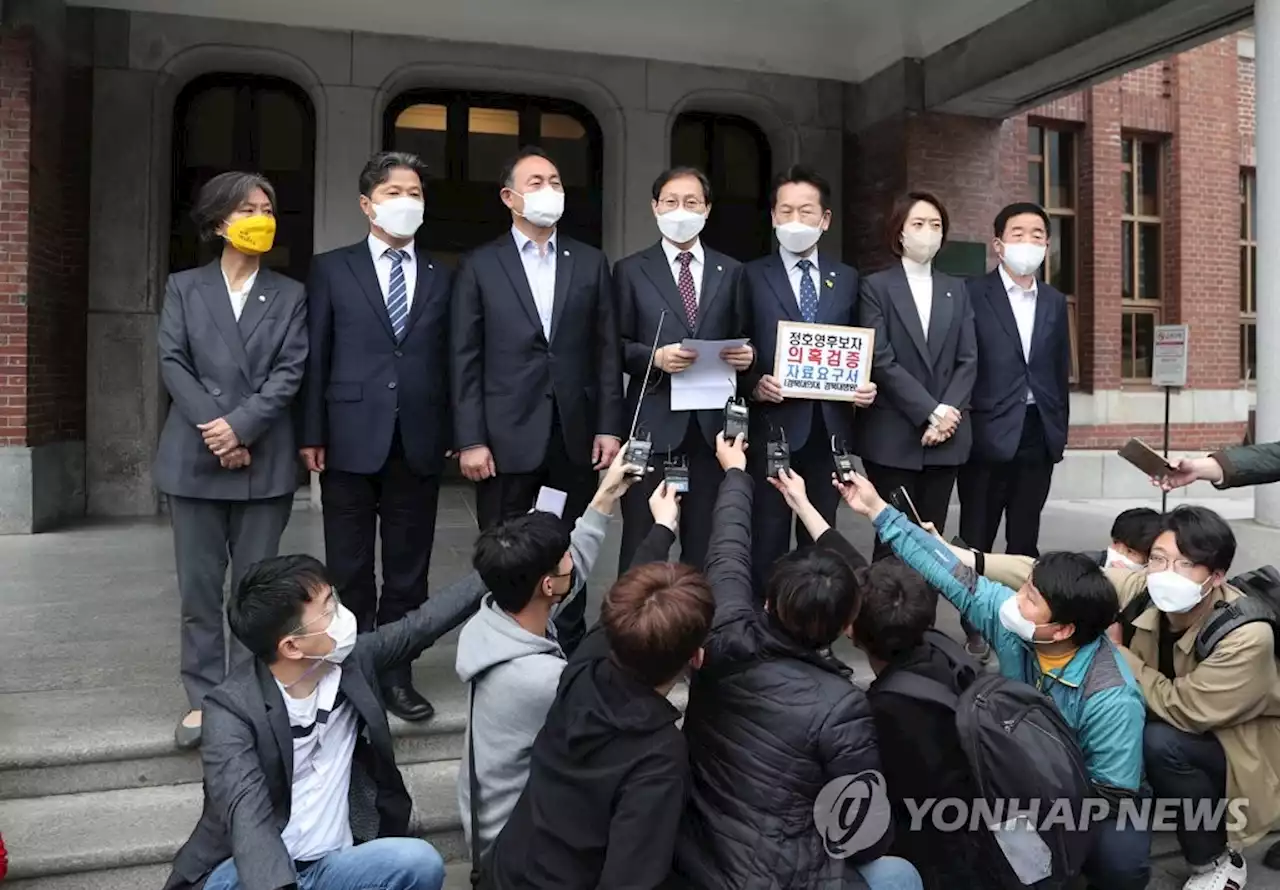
column 68, row 836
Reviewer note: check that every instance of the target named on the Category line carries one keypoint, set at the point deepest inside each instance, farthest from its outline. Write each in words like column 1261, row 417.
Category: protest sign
column 822, row 361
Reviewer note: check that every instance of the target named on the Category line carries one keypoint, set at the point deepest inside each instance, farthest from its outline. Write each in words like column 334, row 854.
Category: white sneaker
column 1226, row 873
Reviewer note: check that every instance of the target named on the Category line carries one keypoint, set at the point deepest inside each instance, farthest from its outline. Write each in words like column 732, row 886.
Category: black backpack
column 1017, row 745
column 1261, row 602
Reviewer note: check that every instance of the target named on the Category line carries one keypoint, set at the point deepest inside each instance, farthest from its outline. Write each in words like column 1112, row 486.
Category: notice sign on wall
column 822, row 361
column 1169, row 361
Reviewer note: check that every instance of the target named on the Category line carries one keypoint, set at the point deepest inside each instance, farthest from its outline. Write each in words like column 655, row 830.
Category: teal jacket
column 1096, row 692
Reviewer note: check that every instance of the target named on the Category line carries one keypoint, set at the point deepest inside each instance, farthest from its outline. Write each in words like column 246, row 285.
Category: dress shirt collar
column 523, row 240
column 791, row 260
column 1010, row 285
column 916, row 270
column 672, row 251
column 244, row 288
column 378, row 247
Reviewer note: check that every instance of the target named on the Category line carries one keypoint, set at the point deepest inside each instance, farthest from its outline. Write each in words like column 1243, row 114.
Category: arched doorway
column 245, row 122
column 734, row 154
column 465, row 138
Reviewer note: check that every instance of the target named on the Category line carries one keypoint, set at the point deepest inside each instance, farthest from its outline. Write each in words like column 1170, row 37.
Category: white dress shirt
column 791, row 262
column 324, row 740
column 241, row 296
column 920, row 280
column 540, row 269
column 1023, row 302
column 382, row 263
column 696, row 265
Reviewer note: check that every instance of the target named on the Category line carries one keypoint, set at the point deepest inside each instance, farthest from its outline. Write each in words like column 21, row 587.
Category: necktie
column 808, row 293
column 687, row 290
column 397, row 292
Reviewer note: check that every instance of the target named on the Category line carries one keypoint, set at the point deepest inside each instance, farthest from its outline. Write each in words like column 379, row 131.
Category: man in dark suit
column 376, row 405
column 926, row 359
column 300, row 778
column 535, row 364
column 695, row 286
column 1020, row 399
column 795, row 284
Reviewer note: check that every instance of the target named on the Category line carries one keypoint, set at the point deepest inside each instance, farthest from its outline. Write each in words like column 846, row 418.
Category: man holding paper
column 695, row 286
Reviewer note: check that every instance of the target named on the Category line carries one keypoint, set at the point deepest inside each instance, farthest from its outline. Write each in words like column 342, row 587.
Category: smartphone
column 551, row 500
column 900, row 499
column 1146, row 459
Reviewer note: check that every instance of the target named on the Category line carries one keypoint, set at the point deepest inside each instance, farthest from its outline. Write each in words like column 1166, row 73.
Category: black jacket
column 608, row 778
column 248, row 753
column 769, row 723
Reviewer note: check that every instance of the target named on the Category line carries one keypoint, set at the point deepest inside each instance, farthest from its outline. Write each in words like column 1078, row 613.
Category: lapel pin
column 948, row 293
column 830, row 283
column 719, row 268
column 262, row 298
column 430, row 266
column 566, row 253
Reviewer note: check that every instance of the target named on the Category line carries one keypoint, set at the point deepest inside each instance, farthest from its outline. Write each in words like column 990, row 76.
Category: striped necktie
column 397, row 292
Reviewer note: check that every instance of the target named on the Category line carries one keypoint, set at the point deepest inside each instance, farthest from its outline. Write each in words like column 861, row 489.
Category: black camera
column 843, row 459
column 675, row 475
column 777, row 457
column 637, row 453
column 736, row 418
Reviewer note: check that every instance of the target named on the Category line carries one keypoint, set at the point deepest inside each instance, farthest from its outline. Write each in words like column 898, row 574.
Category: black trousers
column 773, row 520
column 507, row 495
column 929, row 489
column 1015, row 490
column 404, row 504
column 696, row 506
column 1191, row 768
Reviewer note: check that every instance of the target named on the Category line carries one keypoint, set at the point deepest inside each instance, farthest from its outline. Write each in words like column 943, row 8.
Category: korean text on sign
column 817, row 361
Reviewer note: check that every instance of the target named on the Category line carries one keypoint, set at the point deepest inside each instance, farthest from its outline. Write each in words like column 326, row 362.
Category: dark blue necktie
column 398, row 292
column 808, row 293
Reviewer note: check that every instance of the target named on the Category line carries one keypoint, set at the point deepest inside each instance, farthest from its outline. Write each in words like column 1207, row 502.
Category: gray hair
column 222, row 195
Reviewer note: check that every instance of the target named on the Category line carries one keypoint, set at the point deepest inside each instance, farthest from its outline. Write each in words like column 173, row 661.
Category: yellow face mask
column 253, row 235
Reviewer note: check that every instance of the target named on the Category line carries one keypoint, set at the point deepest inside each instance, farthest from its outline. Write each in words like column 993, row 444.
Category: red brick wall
column 1182, row 436
column 44, row 187
column 1101, row 205
column 1247, row 93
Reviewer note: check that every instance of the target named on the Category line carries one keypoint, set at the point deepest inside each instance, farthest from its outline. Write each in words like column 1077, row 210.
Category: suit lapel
column 835, row 290
column 657, row 271
column 564, row 277
column 776, row 274
column 360, row 260
column 1040, row 329
column 421, row 289
column 257, row 303
column 998, row 299
column 904, row 304
column 278, row 717
column 355, row 687
column 213, row 290
column 712, row 275
column 940, row 316
column 509, row 257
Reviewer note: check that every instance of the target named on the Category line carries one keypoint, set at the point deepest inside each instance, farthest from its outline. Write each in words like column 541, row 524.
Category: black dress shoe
column 1272, row 858
column 406, row 703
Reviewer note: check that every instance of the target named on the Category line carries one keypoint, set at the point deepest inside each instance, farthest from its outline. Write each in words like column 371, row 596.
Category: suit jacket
column 915, row 375
column 506, row 375
column 1004, row 374
column 361, row 381
column 645, row 287
column 247, row 372
column 765, row 298
column 247, row 750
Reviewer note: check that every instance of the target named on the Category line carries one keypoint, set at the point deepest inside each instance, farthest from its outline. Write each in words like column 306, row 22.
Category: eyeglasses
column 694, row 205
column 1160, row 563
column 329, row 611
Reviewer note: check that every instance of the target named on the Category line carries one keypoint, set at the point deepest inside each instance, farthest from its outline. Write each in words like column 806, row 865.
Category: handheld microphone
column 640, row 447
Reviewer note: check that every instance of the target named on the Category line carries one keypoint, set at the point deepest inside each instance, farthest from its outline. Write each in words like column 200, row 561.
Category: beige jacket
column 1234, row 693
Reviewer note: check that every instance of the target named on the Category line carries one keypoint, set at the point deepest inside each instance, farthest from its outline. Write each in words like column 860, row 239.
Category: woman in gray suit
column 233, row 344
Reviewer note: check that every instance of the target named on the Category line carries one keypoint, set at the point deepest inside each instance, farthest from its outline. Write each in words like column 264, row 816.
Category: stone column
column 1267, row 40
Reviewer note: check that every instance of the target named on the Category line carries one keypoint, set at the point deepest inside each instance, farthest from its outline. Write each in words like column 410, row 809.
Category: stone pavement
column 89, row 690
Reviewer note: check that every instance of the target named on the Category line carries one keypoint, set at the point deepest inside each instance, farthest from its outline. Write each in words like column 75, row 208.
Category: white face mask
column 1117, row 560
column 1174, row 593
column 1015, row 622
column 1024, row 258
column 797, row 237
column 342, row 630
column 921, row 246
column 681, row 226
column 544, row 207
column 399, row 217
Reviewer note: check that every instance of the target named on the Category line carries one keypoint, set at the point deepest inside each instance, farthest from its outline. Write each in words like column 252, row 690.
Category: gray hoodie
column 522, row 671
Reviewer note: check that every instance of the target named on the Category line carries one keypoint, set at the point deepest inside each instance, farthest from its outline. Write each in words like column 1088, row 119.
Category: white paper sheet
column 709, row 382
column 551, row 500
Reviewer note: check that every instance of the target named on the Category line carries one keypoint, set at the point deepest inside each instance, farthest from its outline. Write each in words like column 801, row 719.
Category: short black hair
column 675, row 173
column 222, row 195
column 1202, row 535
column 529, row 151
column 512, row 556
column 1077, row 592
column 898, row 606
column 813, row 594
column 1136, row 529
column 267, row 605
column 798, row 173
column 1017, row 209
column 377, row 169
